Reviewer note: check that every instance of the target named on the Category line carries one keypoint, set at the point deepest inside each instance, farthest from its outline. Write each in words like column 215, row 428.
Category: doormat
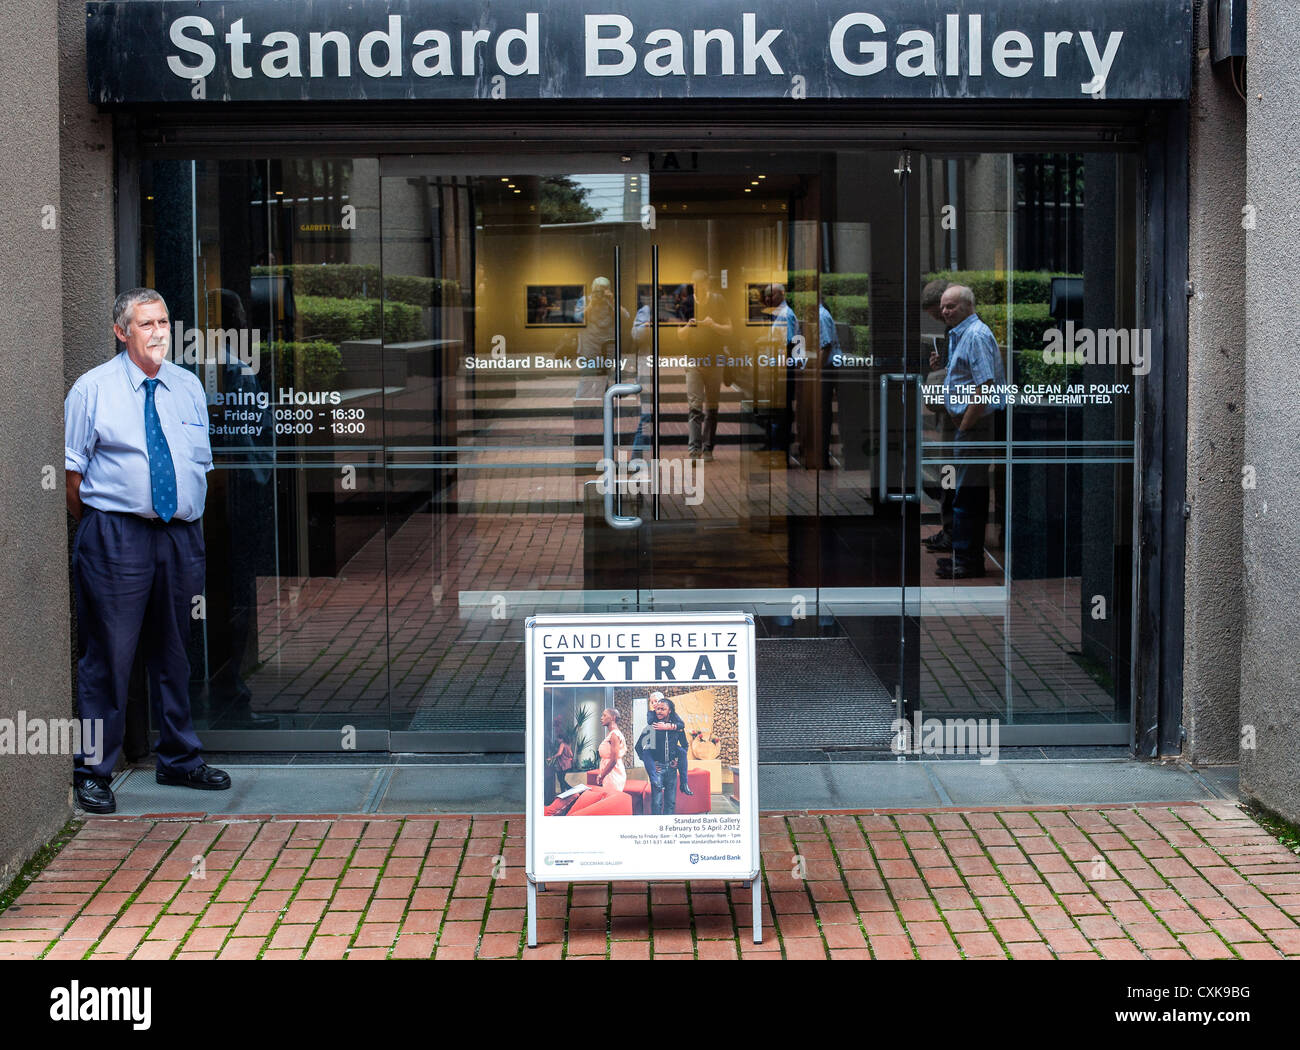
column 819, row 694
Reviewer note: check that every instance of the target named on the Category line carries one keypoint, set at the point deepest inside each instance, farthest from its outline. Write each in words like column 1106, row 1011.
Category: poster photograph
column 641, row 747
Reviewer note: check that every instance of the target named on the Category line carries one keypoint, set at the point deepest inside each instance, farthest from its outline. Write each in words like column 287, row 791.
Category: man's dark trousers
column 970, row 505
column 135, row 584
column 663, row 798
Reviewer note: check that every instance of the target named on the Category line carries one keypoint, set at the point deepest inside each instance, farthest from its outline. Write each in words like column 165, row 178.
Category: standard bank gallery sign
column 272, row 51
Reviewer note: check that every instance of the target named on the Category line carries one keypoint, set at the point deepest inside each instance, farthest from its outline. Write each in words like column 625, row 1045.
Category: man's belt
column 158, row 523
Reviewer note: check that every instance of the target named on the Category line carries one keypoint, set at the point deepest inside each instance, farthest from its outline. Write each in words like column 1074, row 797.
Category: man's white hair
column 124, row 305
column 963, row 294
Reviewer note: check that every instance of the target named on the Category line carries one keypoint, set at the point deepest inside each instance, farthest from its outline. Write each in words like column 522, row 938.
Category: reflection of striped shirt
column 784, row 317
column 826, row 329
column 973, row 360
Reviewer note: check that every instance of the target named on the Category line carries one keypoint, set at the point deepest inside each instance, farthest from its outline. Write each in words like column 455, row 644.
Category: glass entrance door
column 646, row 382
column 720, row 381
column 1027, row 353
column 777, row 306
column 496, row 432
column 413, row 455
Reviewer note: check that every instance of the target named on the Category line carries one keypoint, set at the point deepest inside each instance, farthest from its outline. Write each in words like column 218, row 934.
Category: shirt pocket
column 195, row 437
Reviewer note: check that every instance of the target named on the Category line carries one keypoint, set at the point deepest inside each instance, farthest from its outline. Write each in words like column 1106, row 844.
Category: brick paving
column 1157, row 881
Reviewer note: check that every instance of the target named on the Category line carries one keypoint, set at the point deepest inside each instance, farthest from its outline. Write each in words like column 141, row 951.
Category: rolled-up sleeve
column 78, row 431
column 984, row 359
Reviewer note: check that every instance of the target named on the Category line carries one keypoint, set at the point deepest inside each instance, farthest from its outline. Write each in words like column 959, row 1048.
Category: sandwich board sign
column 642, row 754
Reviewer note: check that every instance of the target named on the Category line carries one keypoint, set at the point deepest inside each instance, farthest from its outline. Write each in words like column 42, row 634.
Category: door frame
column 1160, row 131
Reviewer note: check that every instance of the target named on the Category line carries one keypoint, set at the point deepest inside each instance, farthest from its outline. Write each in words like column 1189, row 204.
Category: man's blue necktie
column 162, row 473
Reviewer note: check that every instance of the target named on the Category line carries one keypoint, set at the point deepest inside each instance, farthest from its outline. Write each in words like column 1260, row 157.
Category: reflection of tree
column 563, row 200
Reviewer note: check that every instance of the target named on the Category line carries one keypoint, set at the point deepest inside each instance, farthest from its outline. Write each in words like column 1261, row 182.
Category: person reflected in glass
column 972, row 395
column 829, row 359
column 704, row 336
column 597, row 313
column 640, row 363
column 781, row 348
column 939, row 542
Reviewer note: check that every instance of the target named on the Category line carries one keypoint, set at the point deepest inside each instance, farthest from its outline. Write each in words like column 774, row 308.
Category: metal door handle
column 885, row 494
column 616, row 521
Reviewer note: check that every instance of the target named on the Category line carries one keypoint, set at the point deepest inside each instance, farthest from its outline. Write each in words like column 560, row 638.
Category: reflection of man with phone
column 596, row 311
column 972, row 393
column 931, row 295
column 707, row 327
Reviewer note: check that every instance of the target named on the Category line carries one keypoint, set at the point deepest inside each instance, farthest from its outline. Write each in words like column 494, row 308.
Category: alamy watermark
column 216, row 346
column 53, row 736
column 1098, row 346
column 648, row 477
column 77, row 1002
column 945, row 736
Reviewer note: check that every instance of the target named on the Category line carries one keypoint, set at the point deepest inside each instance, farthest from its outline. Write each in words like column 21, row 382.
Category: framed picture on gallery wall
column 676, row 301
column 756, row 311
column 554, row 306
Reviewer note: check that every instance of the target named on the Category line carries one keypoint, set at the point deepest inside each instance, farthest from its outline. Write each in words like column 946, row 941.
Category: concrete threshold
column 489, row 788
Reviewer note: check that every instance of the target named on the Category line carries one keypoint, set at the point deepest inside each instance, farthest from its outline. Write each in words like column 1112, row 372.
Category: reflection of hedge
column 356, row 281
column 846, row 309
column 338, row 320
column 311, row 366
column 1028, row 323
column 1031, row 368
column 990, row 286
column 828, row 283
column 846, row 283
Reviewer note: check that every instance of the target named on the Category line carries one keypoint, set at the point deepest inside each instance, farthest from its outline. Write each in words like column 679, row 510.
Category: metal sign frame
column 636, row 665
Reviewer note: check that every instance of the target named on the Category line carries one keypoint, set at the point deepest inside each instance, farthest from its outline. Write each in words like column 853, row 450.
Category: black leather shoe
column 95, row 796
column 959, row 572
column 204, row 778
column 939, row 541
column 684, row 790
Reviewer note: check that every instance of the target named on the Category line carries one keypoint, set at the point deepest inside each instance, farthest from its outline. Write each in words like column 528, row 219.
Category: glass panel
column 736, row 240
column 863, row 479
column 270, row 269
column 1025, row 552
column 496, row 405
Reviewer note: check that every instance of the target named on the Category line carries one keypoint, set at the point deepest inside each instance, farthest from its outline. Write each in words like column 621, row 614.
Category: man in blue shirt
column 782, row 346
column 971, row 393
column 136, row 458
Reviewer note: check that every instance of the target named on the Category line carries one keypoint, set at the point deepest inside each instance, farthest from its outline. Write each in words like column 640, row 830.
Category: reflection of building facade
column 410, row 469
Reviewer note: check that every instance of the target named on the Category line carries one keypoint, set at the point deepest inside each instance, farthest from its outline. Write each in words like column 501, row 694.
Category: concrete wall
column 1216, row 411
column 35, row 790
column 87, row 185
column 1270, row 653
